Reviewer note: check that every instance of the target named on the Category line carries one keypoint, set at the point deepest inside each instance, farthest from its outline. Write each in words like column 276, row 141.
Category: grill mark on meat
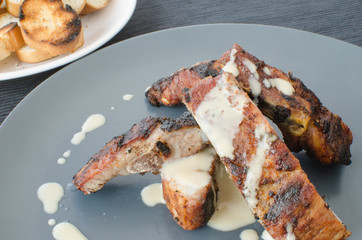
column 285, row 201
column 205, row 69
column 165, row 150
column 185, row 120
column 142, row 130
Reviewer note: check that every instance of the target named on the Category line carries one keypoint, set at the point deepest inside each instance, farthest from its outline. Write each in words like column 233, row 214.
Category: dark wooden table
column 333, row 18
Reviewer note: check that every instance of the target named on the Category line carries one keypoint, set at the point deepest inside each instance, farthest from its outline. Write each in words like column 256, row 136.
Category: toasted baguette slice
column 77, row 5
column 51, row 28
column 13, row 7
column 94, row 5
column 31, row 55
column 11, row 39
column 4, row 50
column 6, row 18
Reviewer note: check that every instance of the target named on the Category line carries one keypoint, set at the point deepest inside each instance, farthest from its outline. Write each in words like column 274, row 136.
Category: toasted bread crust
column 11, row 33
column 78, row 6
column 13, row 7
column 90, row 8
column 56, row 30
column 30, row 55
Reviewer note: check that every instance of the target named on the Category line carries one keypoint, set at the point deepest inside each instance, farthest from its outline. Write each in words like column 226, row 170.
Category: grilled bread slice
column 31, row 55
column 51, row 28
column 6, row 18
column 10, row 39
column 13, row 7
column 94, row 5
column 77, row 5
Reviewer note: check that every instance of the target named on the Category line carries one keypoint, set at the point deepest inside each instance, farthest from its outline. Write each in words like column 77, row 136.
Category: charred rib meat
column 142, row 149
column 267, row 174
column 146, row 148
column 304, row 122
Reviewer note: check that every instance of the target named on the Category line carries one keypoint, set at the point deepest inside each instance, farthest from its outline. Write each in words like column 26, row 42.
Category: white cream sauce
column 249, row 234
column 152, row 195
column 251, row 184
column 282, row 85
column 219, row 116
column 231, row 65
column 127, row 97
column 93, row 122
column 61, row 161
column 232, row 211
column 266, row 83
column 51, row 222
column 50, row 194
column 67, row 231
column 267, row 71
column 67, row 153
column 255, row 87
column 190, row 174
column 266, row 236
column 290, row 235
column 254, row 83
column 252, row 67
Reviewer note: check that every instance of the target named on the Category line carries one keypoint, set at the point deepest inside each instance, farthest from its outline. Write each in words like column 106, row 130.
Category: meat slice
column 304, row 122
column 267, row 174
column 189, row 188
column 144, row 148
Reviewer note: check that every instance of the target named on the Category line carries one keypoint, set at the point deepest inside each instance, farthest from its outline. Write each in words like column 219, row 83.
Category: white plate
column 99, row 28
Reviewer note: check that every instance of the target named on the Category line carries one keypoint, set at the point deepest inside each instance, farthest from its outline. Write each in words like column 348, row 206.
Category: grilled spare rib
column 155, row 145
column 144, row 148
column 189, row 188
column 304, row 122
column 267, row 174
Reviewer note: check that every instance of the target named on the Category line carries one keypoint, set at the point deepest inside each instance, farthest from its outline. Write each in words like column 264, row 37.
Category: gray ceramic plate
column 39, row 130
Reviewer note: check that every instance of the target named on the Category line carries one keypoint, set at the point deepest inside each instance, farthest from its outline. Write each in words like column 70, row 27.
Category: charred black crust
column 209, row 206
column 205, row 69
column 144, row 128
column 74, row 27
column 284, row 162
column 290, row 197
column 69, row 9
column 153, row 94
column 21, row 14
column 164, row 149
column 337, row 135
column 281, row 113
column 121, row 140
column 141, row 130
column 283, row 200
column 185, row 120
column 186, row 94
